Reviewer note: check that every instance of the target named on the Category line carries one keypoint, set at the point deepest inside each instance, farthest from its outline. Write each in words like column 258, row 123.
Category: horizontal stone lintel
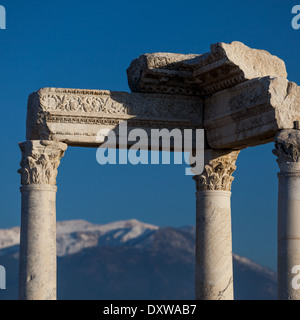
column 75, row 116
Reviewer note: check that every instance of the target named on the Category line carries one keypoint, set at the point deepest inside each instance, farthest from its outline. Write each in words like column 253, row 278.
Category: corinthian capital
column 287, row 146
column 218, row 169
column 40, row 160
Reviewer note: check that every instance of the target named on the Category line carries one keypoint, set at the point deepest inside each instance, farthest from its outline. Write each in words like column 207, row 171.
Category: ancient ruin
column 240, row 97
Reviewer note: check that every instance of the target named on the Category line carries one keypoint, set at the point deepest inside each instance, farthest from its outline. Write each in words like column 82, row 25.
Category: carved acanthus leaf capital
column 218, row 169
column 40, row 160
column 287, row 146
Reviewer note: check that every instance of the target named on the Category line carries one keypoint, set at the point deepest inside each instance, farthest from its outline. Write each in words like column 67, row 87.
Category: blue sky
column 90, row 44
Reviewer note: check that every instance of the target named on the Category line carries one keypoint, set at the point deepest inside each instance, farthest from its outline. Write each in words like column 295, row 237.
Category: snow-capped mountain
column 130, row 260
column 9, row 237
column 75, row 235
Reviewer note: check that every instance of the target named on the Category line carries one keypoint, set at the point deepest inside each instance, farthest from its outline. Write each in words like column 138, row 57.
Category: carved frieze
column 118, row 103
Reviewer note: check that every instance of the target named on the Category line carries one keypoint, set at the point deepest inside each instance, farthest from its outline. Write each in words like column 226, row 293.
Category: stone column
column 37, row 273
column 214, row 272
column 287, row 149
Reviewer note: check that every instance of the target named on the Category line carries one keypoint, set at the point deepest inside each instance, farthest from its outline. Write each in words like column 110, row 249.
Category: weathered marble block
column 251, row 113
column 75, row 116
column 225, row 66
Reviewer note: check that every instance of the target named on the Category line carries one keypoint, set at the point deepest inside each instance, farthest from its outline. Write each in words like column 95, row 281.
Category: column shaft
column 288, row 235
column 214, row 274
column 37, row 278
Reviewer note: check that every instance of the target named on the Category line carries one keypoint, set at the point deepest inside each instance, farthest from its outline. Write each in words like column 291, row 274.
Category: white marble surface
column 214, row 274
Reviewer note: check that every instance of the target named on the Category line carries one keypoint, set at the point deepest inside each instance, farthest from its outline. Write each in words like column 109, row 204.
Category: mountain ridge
column 153, row 262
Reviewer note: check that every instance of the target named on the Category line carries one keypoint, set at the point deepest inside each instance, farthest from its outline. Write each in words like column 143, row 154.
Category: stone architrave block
column 225, row 66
